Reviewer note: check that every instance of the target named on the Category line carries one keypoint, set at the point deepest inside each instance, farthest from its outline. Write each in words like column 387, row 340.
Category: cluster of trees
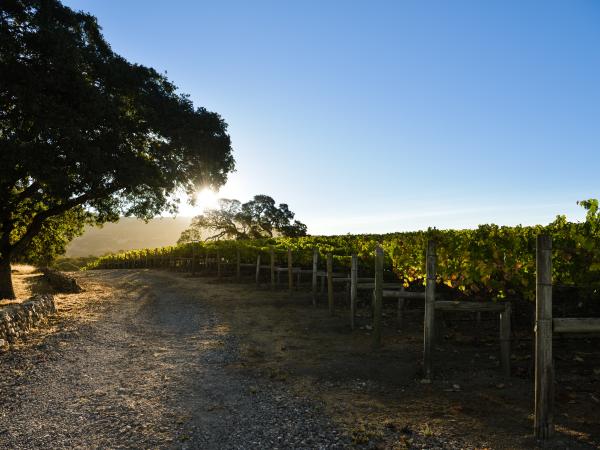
column 87, row 136
column 258, row 218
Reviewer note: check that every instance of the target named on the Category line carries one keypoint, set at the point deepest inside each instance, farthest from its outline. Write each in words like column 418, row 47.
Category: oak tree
column 83, row 129
column 258, row 218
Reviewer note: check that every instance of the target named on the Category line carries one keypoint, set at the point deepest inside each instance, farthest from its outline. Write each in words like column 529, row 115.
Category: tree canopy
column 81, row 127
column 258, row 218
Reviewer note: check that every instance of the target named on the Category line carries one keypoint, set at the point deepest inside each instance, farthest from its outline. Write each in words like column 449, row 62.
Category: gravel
column 152, row 366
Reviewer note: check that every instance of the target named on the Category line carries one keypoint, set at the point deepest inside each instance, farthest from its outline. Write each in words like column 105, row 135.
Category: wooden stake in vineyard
column 353, row 288
column 378, row 297
column 290, row 274
column 193, row 259
column 544, row 371
column 238, row 271
column 330, row 283
column 257, row 279
column 272, row 255
column 429, row 325
column 315, row 261
column 218, row 264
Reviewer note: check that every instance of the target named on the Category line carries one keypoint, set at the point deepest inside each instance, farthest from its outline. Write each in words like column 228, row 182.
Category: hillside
column 128, row 234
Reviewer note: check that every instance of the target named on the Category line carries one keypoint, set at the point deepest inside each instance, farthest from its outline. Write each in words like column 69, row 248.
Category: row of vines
column 488, row 262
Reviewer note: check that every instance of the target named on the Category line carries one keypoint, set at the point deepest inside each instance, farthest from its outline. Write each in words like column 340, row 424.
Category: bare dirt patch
column 27, row 281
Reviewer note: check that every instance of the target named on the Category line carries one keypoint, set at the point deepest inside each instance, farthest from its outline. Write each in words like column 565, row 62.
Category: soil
column 154, row 359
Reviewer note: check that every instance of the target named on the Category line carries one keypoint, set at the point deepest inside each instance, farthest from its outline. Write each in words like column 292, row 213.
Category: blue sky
column 381, row 116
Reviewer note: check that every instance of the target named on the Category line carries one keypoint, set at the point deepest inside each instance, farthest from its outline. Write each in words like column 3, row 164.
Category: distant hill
column 128, row 234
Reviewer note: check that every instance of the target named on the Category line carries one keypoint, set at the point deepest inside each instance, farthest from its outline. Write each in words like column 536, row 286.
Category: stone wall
column 61, row 282
column 17, row 318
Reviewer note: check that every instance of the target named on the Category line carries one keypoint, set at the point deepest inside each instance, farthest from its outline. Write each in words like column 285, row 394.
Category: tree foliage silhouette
column 82, row 129
column 258, row 218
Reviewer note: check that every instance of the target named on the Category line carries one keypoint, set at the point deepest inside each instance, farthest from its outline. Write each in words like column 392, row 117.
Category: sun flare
column 207, row 199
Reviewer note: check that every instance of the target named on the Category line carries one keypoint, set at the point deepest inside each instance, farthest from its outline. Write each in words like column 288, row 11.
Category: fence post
column 330, row 283
column 353, row 288
column 272, row 255
column 378, row 296
column 238, row 274
column 219, row 264
column 257, row 278
column 505, row 339
column 290, row 274
column 315, row 261
column 429, row 325
column 400, row 313
column 544, row 370
column 193, row 259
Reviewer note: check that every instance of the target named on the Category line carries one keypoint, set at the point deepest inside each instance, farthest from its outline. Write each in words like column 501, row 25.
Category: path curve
column 142, row 360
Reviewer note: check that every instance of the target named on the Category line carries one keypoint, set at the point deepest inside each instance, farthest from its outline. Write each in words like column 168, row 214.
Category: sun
column 207, row 199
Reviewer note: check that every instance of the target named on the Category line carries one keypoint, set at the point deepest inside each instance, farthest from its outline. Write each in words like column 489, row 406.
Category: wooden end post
column 272, row 255
column 238, row 270
column 400, row 312
column 429, row 325
column 353, row 289
column 315, row 261
column 218, row 264
column 257, row 279
column 378, row 297
column 290, row 274
column 330, row 283
column 505, row 340
column 193, row 259
column 544, row 370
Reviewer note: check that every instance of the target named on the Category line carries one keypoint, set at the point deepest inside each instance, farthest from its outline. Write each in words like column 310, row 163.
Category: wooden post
column 544, row 370
column 290, row 274
column 272, row 255
column 238, row 273
column 193, row 259
column 353, row 289
column 429, row 325
column 378, row 297
column 171, row 261
column 400, row 312
column 218, row 264
column 330, row 283
column 257, row 278
column 315, row 261
column 505, row 340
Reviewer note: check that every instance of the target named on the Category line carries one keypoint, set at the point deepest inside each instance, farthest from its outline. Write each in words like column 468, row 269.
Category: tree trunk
column 6, row 286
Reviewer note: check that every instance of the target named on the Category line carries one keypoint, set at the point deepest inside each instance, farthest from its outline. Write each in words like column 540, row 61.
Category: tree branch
column 38, row 221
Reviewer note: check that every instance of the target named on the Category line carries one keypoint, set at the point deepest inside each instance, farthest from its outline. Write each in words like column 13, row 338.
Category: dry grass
column 27, row 281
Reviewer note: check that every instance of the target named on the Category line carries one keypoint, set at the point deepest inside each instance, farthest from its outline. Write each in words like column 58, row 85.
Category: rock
column 18, row 318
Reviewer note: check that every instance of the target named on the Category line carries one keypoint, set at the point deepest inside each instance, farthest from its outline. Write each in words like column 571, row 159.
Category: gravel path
column 144, row 361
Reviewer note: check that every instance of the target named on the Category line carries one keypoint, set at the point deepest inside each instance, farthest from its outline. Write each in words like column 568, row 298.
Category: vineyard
column 486, row 270
column 490, row 263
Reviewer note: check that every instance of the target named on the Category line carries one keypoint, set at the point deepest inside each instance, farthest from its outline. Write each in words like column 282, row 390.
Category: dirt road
column 141, row 361
column 151, row 359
